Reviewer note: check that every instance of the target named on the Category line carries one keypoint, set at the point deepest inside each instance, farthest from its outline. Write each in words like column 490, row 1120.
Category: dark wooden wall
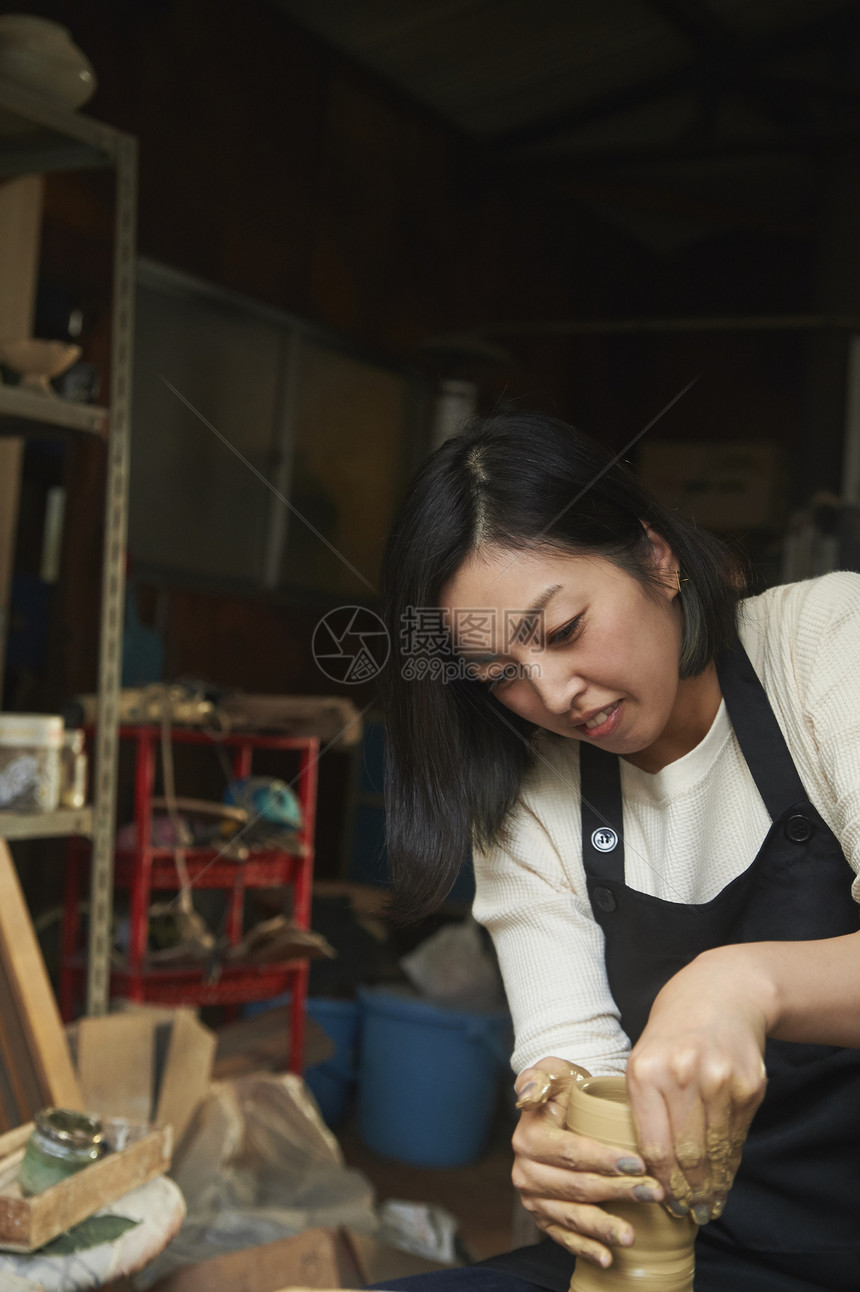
column 270, row 166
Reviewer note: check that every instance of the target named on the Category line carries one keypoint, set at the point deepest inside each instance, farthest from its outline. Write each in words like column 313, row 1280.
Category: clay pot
column 40, row 55
column 661, row 1259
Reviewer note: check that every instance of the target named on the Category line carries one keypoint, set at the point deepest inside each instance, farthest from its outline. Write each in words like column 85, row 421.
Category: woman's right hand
column 563, row 1177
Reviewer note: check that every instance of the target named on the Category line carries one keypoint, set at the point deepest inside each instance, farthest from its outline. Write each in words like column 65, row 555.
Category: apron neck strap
column 601, row 812
column 762, row 745
column 758, row 732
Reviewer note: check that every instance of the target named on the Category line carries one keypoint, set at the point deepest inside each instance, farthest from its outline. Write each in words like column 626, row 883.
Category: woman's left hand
column 696, row 1077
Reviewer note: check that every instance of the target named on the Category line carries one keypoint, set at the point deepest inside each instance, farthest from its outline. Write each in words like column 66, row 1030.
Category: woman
column 661, row 784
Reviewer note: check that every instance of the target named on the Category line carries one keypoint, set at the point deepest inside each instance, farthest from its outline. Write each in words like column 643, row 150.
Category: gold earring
column 680, row 580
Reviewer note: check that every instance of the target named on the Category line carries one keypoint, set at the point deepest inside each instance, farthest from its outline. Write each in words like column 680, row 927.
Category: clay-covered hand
column 695, row 1079
column 562, row 1177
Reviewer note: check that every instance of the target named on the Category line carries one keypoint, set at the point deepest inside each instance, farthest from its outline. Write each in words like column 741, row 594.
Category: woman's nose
column 555, row 685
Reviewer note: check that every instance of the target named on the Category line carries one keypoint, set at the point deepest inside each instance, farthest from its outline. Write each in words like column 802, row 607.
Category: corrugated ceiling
column 730, row 104
column 494, row 68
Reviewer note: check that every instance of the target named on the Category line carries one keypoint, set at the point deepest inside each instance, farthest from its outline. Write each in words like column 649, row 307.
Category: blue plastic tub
column 332, row 1082
column 428, row 1078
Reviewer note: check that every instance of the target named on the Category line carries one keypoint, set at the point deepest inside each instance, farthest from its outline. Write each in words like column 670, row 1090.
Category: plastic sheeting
column 259, row 1164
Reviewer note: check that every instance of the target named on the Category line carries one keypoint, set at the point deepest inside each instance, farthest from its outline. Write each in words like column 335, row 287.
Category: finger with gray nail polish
column 630, row 1166
column 677, row 1209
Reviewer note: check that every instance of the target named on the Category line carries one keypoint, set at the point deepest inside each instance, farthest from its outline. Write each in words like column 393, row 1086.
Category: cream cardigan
column 688, row 829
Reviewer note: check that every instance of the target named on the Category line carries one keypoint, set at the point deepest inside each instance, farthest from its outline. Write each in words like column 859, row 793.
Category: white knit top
column 688, row 829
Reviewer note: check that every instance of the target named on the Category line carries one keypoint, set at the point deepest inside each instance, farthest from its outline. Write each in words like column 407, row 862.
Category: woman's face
column 573, row 643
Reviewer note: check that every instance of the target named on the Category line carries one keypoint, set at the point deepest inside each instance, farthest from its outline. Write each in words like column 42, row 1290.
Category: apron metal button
column 604, row 899
column 798, row 829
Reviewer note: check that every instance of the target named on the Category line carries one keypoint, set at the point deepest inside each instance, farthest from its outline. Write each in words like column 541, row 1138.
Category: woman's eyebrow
column 545, row 597
column 526, row 617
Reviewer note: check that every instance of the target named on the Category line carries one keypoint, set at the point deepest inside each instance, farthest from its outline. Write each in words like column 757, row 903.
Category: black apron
column 792, row 1219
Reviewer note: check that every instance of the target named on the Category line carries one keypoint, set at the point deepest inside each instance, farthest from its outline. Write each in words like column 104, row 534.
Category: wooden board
column 20, row 1086
column 38, row 1050
column 186, row 1074
column 20, row 230
column 28, row 1223
column 116, row 1059
column 317, row 1258
column 11, row 457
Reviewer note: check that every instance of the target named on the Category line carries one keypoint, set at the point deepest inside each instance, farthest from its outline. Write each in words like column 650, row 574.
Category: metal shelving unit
column 46, row 825
column 38, row 136
column 24, row 413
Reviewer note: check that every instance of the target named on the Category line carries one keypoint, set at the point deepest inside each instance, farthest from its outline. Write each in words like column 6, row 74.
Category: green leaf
column 89, row 1233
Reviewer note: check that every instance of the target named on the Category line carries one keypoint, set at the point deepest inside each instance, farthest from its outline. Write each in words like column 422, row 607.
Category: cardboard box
column 318, row 1258
column 724, row 485
column 148, row 1065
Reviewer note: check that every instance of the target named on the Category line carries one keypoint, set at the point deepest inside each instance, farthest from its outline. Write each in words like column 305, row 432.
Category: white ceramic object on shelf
column 30, row 745
column 41, row 55
column 38, row 361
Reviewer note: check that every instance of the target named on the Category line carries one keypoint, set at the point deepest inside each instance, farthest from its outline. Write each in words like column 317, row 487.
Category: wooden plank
column 9, row 1168
column 12, row 1146
column 21, row 1086
column 11, row 455
column 32, row 997
column 20, row 229
column 186, row 1074
column 317, row 1258
column 116, row 1061
column 28, row 1223
column 13, row 1139
column 8, row 1102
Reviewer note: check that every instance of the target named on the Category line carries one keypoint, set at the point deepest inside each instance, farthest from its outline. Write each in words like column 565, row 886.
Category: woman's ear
column 665, row 561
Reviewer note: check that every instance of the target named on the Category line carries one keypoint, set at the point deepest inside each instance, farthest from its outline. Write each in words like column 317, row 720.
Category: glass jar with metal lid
column 62, row 1143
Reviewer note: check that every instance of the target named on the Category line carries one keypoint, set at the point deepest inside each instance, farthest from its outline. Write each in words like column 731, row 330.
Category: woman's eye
column 492, row 681
column 497, row 677
column 566, row 632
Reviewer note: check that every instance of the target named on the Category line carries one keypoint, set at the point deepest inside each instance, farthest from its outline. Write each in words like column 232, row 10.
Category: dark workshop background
column 519, row 171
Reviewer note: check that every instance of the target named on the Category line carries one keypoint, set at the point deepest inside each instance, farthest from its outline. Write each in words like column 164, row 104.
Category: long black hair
column 455, row 757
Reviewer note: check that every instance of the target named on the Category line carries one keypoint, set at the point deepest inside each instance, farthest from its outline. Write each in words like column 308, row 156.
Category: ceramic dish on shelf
column 38, row 361
column 41, row 56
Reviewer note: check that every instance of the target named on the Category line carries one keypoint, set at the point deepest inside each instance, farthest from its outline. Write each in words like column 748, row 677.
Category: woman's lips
column 603, row 723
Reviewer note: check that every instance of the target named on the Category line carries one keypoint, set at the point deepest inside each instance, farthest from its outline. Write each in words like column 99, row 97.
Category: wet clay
column 681, row 1190
column 722, row 1155
column 661, row 1259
